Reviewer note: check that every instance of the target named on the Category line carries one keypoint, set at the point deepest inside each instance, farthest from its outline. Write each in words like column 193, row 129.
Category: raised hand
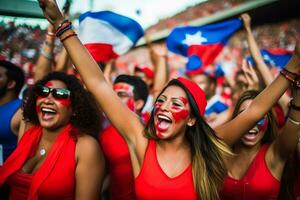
column 246, row 20
column 250, row 75
column 51, row 11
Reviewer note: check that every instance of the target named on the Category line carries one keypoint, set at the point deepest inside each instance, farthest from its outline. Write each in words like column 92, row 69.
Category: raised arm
column 258, row 59
column 160, row 68
column 125, row 121
column 45, row 60
column 234, row 129
column 286, row 143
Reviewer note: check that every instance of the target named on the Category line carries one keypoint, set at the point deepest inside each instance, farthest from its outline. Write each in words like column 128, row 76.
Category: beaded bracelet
column 62, row 23
column 295, row 81
column 63, row 29
column 71, row 35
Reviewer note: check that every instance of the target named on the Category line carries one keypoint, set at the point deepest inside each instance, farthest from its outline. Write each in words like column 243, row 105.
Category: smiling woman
column 177, row 144
column 62, row 121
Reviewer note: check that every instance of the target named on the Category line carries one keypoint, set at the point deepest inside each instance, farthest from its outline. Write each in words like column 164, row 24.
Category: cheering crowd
column 79, row 130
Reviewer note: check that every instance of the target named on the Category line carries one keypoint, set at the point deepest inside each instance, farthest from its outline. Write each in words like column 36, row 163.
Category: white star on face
column 194, row 39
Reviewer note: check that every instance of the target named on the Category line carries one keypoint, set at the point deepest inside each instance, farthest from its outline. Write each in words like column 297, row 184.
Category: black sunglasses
column 57, row 93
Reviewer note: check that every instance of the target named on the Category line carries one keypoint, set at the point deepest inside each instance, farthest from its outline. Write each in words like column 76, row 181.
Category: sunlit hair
column 86, row 115
column 208, row 151
column 271, row 130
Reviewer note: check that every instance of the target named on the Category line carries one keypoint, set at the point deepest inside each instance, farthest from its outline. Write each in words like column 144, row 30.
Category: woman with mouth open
column 58, row 156
column 261, row 154
column 177, row 155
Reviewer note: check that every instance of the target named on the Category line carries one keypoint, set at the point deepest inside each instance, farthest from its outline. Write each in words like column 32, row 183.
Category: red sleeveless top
column 55, row 179
column 258, row 182
column 117, row 155
column 153, row 183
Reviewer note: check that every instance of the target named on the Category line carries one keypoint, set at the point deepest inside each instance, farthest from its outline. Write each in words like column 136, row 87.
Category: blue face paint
column 262, row 124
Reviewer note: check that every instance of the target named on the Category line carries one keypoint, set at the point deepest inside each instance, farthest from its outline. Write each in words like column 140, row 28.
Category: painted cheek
column 263, row 126
column 64, row 102
column 179, row 114
column 38, row 108
column 157, row 107
column 130, row 104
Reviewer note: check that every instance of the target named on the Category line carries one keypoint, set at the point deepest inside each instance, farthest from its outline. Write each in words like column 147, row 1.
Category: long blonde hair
column 208, row 152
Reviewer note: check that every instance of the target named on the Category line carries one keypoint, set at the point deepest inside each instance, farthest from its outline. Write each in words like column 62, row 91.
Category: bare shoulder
column 87, row 145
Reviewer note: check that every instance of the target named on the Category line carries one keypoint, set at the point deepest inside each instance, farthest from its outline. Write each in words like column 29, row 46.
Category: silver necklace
column 43, row 151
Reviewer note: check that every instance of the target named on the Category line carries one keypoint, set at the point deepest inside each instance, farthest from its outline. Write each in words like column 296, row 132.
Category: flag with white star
column 274, row 57
column 201, row 43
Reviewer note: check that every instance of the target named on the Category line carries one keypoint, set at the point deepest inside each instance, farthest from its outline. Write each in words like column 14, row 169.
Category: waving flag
column 107, row 35
column 202, row 43
column 275, row 57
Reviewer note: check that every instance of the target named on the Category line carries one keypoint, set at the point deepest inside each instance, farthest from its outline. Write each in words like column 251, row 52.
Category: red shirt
column 258, row 182
column 153, row 183
column 117, row 155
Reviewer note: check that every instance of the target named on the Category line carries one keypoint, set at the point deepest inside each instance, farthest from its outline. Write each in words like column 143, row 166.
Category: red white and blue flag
column 202, row 43
column 274, row 57
column 107, row 35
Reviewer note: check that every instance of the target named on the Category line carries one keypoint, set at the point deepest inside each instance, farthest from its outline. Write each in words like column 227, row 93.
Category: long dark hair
column 271, row 130
column 86, row 115
column 208, row 151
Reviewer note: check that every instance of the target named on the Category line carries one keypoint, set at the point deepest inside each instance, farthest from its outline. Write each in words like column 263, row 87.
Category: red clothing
column 153, row 183
column 21, row 185
column 258, row 183
column 55, row 179
column 117, row 155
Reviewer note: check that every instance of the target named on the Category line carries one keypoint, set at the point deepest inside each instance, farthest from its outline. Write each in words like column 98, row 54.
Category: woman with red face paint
column 57, row 156
column 177, row 155
column 260, row 155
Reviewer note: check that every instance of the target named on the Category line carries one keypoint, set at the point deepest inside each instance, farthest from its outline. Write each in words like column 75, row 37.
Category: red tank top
column 258, row 182
column 118, row 160
column 21, row 187
column 55, row 179
column 153, row 183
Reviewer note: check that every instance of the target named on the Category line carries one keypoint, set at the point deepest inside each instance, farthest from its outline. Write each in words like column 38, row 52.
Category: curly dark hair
column 86, row 117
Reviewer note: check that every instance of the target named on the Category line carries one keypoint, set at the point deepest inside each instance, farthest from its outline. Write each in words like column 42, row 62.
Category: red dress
column 153, row 183
column 258, row 182
column 118, row 160
column 55, row 179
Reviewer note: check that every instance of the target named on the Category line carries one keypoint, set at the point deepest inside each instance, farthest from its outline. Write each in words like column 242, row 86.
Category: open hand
column 51, row 11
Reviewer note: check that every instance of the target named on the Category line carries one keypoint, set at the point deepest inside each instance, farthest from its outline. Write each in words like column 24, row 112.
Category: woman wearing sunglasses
column 58, row 156
column 177, row 155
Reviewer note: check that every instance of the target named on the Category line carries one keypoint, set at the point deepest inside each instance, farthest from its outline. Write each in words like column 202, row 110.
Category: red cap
column 146, row 70
column 197, row 93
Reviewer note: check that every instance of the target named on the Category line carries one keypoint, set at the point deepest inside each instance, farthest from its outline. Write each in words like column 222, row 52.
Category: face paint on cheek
column 157, row 107
column 38, row 108
column 64, row 102
column 130, row 104
column 262, row 124
column 179, row 115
